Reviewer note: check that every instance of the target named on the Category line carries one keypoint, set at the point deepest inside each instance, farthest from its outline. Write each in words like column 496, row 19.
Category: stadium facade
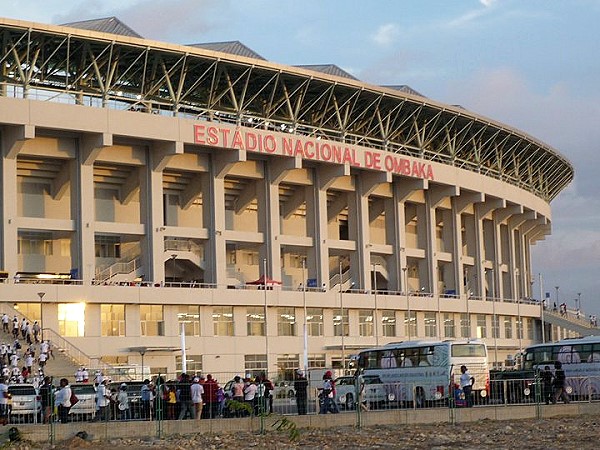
column 149, row 186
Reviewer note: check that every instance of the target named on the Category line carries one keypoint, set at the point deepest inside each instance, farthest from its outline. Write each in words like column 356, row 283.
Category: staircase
column 129, row 269
column 571, row 322
column 67, row 358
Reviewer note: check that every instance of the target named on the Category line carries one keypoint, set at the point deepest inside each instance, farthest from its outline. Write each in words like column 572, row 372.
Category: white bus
column 580, row 360
column 418, row 372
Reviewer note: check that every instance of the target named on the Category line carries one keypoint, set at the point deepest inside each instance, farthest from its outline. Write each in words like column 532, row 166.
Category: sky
column 532, row 64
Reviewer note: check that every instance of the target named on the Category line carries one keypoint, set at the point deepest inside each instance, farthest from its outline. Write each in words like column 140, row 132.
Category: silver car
column 25, row 403
column 85, row 408
column 374, row 394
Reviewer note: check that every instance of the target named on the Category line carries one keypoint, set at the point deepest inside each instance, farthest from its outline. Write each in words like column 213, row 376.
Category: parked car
column 374, row 394
column 134, row 392
column 284, row 389
column 25, row 403
column 85, row 408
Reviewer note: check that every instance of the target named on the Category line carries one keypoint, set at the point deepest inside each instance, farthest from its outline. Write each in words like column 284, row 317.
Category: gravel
column 579, row 432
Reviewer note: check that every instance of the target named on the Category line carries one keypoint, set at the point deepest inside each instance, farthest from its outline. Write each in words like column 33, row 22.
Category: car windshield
column 83, row 390
column 372, row 380
column 22, row 390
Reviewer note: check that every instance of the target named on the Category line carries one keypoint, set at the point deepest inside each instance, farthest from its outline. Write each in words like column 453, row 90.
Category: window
column 286, row 322
column 495, row 326
column 314, row 321
column 508, row 333
column 410, row 324
column 388, row 322
column 255, row 321
column 29, row 310
column 449, row 329
column 465, row 325
column 481, row 326
column 152, row 320
column 107, row 246
column 287, row 366
column 316, row 361
column 35, row 243
column 430, row 324
column 255, row 364
column 341, row 323
column 529, row 324
column 189, row 317
column 365, row 322
column 519, row 328
column 71, row 319
column 223, row 320
column 112, row 318
column 193, row 364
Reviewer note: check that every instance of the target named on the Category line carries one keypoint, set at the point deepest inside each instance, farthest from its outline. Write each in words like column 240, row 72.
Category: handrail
column 74, row 353
column 118, row 268
column 69, row 350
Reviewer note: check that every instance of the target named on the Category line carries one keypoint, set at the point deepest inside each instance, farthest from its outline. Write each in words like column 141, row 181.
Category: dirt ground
column 581, row 433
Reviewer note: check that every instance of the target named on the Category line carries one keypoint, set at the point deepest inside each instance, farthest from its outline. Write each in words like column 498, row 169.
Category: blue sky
column 532, row 64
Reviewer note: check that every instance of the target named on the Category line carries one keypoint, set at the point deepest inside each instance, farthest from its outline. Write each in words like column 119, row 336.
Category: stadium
column 281, row 216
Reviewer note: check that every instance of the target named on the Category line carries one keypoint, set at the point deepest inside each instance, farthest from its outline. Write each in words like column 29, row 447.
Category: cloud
column 570, row 256
column 487, row 3
column 386, row 34
column 170, row 21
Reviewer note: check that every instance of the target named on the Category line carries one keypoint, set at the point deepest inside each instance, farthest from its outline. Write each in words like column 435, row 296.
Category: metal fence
column 277, row 398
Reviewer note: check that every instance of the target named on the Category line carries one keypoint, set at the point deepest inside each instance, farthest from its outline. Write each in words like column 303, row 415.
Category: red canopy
column 262, row 282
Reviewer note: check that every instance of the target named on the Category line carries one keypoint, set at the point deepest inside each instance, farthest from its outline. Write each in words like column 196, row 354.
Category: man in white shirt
column 197, row 392
column 3, row 402
column 5, row 321
column 102, row 401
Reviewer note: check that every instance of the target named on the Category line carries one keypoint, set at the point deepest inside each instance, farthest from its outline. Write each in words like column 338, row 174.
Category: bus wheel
column 349, row 402
column 419, row 397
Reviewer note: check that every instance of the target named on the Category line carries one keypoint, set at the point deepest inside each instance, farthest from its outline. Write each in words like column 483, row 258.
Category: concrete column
column 324, row 178
column 481, row 211
column 83, row 200
column 13, row 139
column 459, row 204
column 220, row 164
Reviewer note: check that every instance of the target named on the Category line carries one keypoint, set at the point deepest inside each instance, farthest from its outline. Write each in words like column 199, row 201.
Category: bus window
column 411, row 357
column 468, row 350
column 388, row 360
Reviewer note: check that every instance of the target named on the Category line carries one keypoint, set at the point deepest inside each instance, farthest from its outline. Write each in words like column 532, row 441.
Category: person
column 559, row 383
column 46, row 399
column 78, row 374
column 547, row 378
column 197, row 390
column 123, row 402
column 466, row 384
column 62, row 398
column 250, row 393
column 211, row 404
column 42, row 360
column 102, row 401
column 36, row 331
column 237, row 389
column 184, row 392
column 328, row 395
column 3, row 401
column 301, row 388
column 5, row 320
column 145, row 399
column 269, row 388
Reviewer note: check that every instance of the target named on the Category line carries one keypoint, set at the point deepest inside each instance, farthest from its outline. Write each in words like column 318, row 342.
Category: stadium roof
column 107, row 25
column 329, row 69
column 231, row 47
column 404, row 88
